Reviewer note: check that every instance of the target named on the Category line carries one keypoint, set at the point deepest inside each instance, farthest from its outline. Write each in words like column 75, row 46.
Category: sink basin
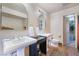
column 13, row 45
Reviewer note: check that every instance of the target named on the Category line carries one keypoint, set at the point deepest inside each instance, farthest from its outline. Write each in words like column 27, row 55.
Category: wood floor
column 59, row 51
column 62, row 51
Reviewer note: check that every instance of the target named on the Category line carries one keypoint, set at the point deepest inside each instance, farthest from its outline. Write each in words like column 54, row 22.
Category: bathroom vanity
column 15, row 47
column 9, row 47
column 41, row 45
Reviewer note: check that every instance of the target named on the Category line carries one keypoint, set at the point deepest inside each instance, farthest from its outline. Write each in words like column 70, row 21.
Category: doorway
column 69, row 30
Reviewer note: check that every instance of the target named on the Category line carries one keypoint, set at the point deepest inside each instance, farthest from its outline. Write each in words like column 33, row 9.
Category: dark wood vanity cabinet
column 41, row 43
column 42, row 46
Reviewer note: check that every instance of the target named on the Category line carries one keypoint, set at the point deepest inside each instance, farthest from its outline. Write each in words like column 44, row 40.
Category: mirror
column 14, row 17
column 41, row 21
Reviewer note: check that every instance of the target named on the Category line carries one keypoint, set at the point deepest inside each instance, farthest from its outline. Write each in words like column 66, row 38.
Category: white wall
column 57, row 26
column 57, row 21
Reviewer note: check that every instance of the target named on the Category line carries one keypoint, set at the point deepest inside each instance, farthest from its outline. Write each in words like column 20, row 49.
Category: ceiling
column 16, row 6
column 48, row 7
column 54, row 7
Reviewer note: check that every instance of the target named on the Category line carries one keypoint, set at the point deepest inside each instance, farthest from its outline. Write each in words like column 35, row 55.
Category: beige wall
column 47, row 27
column 57, row 21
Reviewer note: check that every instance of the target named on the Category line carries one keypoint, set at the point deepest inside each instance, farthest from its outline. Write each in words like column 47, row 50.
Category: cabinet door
column 78, row 33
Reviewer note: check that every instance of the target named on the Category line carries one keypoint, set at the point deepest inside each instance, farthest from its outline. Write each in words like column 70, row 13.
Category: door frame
column 64, row 30
column 77, row 32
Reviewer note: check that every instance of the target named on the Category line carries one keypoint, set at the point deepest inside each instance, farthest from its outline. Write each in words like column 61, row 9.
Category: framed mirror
column 41, row 21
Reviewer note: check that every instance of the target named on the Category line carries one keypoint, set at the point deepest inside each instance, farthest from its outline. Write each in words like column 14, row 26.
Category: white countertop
column 45, row 34
column 13, row 45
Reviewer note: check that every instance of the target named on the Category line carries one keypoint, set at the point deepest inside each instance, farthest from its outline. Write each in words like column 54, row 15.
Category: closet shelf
column 6, row 28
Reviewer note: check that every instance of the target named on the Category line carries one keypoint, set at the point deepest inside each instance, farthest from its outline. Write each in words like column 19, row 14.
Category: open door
column 69, row 30
column 78, row 33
